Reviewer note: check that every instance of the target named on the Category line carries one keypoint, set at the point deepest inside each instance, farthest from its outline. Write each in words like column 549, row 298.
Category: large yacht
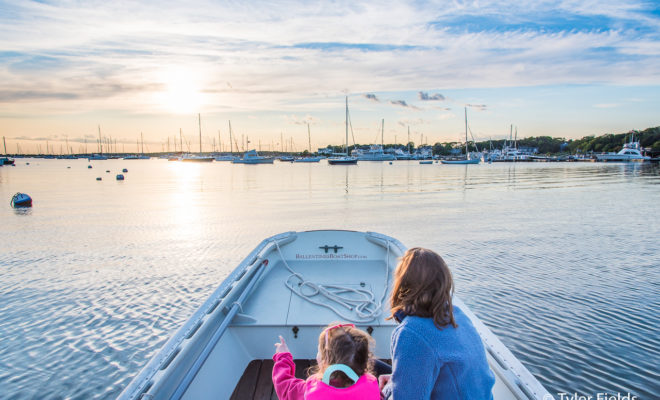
column 630, row 152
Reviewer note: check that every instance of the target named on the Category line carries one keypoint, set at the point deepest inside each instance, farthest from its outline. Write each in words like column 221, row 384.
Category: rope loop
column 361, row 303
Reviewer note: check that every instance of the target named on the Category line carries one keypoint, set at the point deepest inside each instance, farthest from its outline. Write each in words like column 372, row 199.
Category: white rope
column 361, row 304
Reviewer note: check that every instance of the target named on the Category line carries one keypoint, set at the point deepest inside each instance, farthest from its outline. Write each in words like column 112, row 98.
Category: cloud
column 34, row 95
column 296, row 120
column 434, row 97
column 371, row 96
column 412, row 122
column 402, row 103
column 479, row 107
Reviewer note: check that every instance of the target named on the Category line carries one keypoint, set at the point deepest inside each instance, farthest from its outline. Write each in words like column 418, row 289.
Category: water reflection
column 23, row 211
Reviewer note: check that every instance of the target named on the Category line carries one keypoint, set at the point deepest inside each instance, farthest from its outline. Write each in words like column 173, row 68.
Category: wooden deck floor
column 257, row 382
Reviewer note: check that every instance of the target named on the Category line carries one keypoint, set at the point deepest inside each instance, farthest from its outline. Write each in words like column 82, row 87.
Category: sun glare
column 182, row 94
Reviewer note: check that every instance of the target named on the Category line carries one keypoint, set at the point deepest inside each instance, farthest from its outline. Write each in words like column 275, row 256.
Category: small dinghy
column 21, row 200
column 120, row 177
column 224, row 350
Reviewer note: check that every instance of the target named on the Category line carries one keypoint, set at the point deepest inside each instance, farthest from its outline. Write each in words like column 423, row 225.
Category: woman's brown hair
column 423, row 286
column 345, row 345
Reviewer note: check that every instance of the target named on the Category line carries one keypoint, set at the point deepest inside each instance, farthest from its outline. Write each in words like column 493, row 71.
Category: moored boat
column 252, row 157
column 225, row 348
column 631, row 152
column 345, row 158
column 225, row 157
column 196, row 158
column 307, row 159
column 466, row 159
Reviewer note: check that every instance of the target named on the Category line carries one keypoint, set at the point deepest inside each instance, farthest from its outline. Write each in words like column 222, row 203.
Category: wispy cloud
column 434, row 97
column 479, row 107
column 296, row 120
column 403, row 103
column 371, row 97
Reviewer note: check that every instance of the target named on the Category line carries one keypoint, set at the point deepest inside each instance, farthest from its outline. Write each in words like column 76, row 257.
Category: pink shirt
column 288, row 387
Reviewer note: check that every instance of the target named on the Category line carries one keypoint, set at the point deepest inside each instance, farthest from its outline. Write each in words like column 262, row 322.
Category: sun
column 182, row 91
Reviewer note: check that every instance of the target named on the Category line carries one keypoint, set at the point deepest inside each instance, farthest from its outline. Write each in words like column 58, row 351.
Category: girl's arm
column 287, row 386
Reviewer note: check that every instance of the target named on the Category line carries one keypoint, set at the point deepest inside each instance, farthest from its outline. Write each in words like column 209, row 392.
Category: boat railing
column 513, row 373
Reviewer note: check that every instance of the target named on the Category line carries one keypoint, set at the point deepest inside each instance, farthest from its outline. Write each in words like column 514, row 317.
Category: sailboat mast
column 346, row 145
column 142, row 139
column 180, row 141
column 199, row 121
column 231, row 144
column 382, row 133
column 100, row 141
column 4, row 143
column 466, row 139
column 309, row 139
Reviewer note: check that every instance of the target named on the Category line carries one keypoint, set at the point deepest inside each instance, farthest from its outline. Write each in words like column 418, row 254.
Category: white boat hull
column 473, row 161
column 255, row 306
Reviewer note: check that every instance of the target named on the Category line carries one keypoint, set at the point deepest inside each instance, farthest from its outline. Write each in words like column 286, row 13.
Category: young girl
column 342, row 370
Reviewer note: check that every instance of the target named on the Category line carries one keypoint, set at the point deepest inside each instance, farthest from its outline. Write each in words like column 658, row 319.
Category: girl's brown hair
column 423, row 286
column 346, row 345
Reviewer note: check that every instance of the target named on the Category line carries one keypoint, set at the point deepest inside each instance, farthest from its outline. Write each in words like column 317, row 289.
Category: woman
column 436, row 352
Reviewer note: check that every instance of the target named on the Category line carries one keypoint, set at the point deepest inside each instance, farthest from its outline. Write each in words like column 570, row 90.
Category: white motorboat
column 307, row 159
column 252, row 157
column 630, row 152
column 224, row 350
column 375, row 152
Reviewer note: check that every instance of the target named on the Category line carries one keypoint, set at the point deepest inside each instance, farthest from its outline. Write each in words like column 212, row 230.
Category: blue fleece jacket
column 432, row 363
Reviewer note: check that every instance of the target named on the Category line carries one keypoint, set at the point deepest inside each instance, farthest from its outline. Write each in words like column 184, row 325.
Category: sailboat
column 141, row 156
column 467, row 159
column 310, row 158
column 200, row 157
column 230, row 156
column 344, row 159
column 99, row 156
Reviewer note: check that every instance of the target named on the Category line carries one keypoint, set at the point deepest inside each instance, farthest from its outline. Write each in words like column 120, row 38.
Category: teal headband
column 339, row 367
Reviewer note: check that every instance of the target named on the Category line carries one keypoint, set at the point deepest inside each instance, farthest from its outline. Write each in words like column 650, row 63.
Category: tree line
column 649, row 138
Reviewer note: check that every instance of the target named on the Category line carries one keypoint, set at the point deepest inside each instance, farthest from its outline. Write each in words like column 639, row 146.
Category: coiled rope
column 361, row 304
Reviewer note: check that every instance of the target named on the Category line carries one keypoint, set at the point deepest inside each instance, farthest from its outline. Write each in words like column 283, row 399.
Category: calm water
column 562, row 261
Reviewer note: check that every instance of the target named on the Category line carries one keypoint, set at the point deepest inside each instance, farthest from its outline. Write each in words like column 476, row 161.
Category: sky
column 69, row 69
